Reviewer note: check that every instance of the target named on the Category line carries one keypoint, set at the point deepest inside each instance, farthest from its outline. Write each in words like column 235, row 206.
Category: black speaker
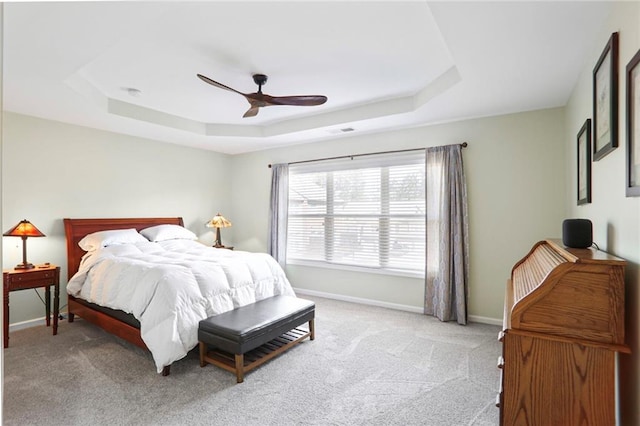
column 577, row 233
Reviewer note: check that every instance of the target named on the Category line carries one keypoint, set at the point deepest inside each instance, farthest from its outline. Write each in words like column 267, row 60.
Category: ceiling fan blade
column 303, row 100
column 251, row 112
column 219, row 85
column 258, row 99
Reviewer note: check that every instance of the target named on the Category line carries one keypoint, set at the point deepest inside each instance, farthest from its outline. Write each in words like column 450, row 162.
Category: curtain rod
column 463, row 144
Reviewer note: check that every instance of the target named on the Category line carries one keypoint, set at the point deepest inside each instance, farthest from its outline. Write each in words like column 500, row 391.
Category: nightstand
column 21, row 279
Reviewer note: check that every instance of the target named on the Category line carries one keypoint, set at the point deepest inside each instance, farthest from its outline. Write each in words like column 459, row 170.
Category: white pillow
column 100, row 239
column 168, row 232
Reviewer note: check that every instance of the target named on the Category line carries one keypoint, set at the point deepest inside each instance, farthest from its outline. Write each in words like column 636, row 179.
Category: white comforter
column 171, row 285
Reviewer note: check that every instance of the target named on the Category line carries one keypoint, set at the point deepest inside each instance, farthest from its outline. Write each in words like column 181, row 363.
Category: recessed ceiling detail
column 368, row 111
column 381, row 64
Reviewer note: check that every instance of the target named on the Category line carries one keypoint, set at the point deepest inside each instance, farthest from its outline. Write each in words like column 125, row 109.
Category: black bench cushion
column 250, row 326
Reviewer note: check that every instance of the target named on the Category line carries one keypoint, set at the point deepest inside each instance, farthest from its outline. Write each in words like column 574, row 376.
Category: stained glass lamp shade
column 24, row 230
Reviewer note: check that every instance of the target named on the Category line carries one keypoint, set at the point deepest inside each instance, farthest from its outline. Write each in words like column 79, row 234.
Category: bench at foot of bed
column 246, row 337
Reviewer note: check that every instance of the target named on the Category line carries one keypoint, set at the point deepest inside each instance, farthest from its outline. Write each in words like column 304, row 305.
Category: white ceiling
column 382, row 64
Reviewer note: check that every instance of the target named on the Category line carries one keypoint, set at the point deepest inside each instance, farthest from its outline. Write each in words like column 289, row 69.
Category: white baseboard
column 485, row 320
column 32, row 323
column 362, row 301
column 27, row 324
column 397, row 306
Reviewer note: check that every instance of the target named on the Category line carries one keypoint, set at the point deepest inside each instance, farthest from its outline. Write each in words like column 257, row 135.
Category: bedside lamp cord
column 60, row 316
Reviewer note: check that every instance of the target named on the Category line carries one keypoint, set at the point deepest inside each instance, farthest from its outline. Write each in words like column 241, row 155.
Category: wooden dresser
column 563, row 324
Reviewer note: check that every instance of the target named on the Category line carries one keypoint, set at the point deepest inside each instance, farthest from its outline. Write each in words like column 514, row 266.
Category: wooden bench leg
column 312, row 329
column 240, row 368
column 203, row 352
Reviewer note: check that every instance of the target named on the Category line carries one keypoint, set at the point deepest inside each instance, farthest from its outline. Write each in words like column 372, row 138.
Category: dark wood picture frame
column 605, row 100
column 584, row 163
column 633, row 127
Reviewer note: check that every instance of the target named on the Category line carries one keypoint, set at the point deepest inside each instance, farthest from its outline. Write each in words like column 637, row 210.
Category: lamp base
column 218, row 242
column 24, row 266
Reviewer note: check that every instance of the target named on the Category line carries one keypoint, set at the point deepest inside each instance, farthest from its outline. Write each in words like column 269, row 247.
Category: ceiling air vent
column 343, row 130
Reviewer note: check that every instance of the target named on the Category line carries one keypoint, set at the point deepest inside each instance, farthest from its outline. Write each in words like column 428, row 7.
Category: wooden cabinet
column 563, row 323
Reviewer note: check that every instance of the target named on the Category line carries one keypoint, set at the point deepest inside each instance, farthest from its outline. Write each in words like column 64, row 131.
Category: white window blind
column 366, row 212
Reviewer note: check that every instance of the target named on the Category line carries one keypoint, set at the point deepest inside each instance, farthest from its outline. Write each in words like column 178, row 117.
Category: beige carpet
column 367, row 366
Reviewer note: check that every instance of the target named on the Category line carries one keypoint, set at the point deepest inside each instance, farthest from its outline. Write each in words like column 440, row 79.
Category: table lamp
column 218, row 222
column 24, row 229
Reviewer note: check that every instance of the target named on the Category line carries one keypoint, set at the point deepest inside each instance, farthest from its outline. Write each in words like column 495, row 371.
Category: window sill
column 352, row 268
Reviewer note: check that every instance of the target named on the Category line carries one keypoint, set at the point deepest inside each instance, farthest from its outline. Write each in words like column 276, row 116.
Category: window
column 364, row 212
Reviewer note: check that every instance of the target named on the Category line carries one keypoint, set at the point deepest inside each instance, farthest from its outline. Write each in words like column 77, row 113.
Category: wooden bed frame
column 75, row 230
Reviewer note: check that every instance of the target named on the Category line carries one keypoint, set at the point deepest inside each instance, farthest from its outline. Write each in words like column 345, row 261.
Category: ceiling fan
column 259, row 99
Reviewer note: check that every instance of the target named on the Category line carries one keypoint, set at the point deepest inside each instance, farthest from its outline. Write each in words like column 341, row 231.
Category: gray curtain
column 447, row 268
column 277, row 240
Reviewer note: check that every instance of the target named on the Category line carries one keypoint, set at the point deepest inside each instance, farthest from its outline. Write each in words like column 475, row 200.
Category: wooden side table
column 46, row 275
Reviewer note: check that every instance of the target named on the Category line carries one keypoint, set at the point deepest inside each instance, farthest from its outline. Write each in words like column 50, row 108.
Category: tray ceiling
column 130, row 67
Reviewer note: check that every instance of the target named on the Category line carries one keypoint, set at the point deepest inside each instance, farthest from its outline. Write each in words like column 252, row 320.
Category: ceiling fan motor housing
column 259, row 79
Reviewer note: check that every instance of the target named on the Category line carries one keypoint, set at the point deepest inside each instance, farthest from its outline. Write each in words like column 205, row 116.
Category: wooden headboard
column 76, row 229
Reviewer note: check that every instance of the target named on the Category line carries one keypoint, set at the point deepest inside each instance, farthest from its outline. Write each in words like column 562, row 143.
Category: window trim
column 384, row 163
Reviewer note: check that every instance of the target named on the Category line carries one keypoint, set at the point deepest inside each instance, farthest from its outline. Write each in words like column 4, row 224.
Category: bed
column 198, row 267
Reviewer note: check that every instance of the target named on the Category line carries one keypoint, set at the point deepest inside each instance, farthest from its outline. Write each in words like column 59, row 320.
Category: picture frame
column 584, row 163
column 605, row 100
column 633, row 127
